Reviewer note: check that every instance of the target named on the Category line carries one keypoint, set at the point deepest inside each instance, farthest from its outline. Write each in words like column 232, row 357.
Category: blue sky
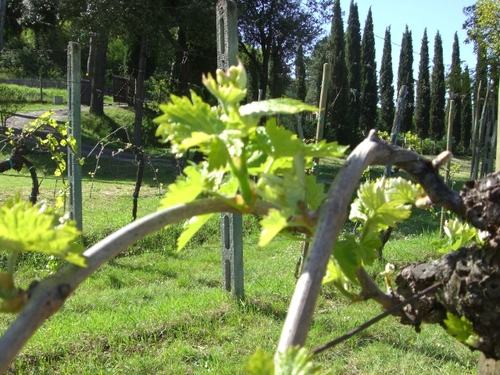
column 443, row 15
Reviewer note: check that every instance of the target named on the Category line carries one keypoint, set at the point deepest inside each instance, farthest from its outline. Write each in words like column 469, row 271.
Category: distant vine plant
column 31, row 226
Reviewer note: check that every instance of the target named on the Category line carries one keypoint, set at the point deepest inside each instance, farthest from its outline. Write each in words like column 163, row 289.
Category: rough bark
column 470, row 276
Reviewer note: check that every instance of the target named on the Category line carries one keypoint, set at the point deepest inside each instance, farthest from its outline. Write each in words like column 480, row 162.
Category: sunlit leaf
column 24, row 227
column 186, row 188
column 347, row 257
column 273, row 223
column 296, row 361
column 273, row 106
column 335, row 276
column 191, row 227
column 260, row 363
column 461, row 328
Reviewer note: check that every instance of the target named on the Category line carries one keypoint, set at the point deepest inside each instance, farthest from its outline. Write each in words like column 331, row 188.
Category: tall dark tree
column 338, row 92
column 300, row 74
column 480, row 76
column 438, row 92
column 386, row 84
column 314, row 68
column 423, row 107
column 369, row 88
column 279, row 70
column 405, row 77
column 12, row 20
column 353, row 64
column 276, row 28
column 455, row 89
column 466, row 113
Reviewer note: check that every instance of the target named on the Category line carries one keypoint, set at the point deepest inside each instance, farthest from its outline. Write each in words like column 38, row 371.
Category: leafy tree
column 482, row 25
column 12, row 24
column 191, row 41
column 405, row 77
column 387, row 109
column 422, row 111
column 276, row 28
column 11, row 102
column 353, row 64
column 314, row 67
column 455, row 88
column 338, row 91
column 369, row 89
column 466, row 115
column 43, row 18
column 438, row 92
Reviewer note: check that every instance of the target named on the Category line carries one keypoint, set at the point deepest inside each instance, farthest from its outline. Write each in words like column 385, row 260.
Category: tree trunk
column 98, row 72
column 3, row 7
column 470, row 277
column 139, row 92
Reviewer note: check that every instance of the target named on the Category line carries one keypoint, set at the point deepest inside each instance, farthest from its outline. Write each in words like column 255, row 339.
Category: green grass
column 154, row 310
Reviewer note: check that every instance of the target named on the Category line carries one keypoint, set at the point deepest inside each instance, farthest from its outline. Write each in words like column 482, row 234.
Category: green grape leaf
column 274, row 106
column 461, row 328
column 335, row 276
column 402, row 190
column 346, row 256
column 458, row 235
column 185, row 189
column 315, row 192
column 218, row 155
column 191, row 227
column 281, row 142
column 379, row 206
column 184, row 116
column 260, row 363
column 24, row 227
column 273, row 223
column 388, row 215
column 323, row 149
column 297, row 361
column 350, row 254
column 368, row 246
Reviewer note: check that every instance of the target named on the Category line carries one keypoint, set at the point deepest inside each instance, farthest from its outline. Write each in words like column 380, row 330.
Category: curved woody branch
column 332, row 215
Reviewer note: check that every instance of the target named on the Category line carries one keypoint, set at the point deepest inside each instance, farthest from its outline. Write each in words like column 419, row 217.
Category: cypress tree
column 353, row 64
column 455, row 87
column 480, row 76
column 422, row 110
column 300, row 74
column 386, row 85
column 405, row 77
column 438, row 92
column 369, row 89
column 337, row 94
column 466, row 113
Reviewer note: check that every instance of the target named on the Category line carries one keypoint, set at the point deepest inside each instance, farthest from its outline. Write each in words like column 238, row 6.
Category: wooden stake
column 75, row 129
column 451, row 117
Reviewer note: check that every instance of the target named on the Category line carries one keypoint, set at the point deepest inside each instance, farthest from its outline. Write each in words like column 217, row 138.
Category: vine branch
column 333, row 213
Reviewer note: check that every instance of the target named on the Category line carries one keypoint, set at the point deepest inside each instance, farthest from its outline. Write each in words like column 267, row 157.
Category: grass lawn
column 154, row 310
